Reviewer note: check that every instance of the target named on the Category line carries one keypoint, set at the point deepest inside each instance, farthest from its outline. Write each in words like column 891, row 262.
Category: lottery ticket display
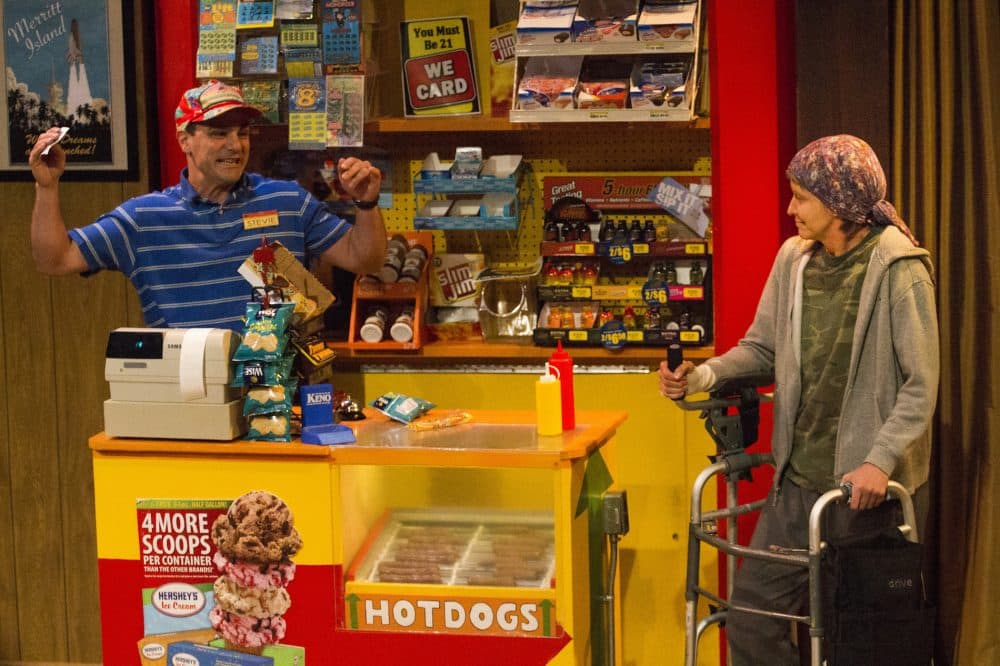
column 296, row 61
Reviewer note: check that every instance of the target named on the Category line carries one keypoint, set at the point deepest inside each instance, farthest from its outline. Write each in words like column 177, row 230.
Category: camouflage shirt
column 831, row 291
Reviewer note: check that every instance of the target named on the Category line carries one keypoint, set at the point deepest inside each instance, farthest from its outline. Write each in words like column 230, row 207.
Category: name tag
column 268, row 218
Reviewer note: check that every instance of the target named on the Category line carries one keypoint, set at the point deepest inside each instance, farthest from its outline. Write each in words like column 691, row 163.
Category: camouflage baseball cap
column 211, row 100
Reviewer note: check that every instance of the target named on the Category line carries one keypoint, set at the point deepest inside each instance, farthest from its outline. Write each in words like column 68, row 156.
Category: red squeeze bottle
column 564, row 369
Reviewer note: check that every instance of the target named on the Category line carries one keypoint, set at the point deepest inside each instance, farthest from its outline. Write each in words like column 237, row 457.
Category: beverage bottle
column 621, row 233
column 606, row 231
column 548, row 407
column 563, row 365
column 649, row 231
column 635, row 231
column 697, row 274
column 551, row 230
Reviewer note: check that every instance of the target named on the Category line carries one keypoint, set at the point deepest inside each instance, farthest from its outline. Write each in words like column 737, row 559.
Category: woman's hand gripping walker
column 732, row 432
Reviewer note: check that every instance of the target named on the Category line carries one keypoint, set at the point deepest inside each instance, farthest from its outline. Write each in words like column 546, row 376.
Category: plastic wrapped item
column 400, row 407
column 548, row 83
column 435, row 422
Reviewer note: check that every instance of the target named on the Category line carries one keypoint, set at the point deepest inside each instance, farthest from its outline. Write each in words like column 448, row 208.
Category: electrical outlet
column 615, row 510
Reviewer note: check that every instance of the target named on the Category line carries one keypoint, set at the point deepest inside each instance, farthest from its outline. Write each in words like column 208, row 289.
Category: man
column 847, row 327
column 181, row 247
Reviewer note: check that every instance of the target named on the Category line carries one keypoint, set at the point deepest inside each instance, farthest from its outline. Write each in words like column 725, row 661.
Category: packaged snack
column 265, row 334
column 276, row 427
column 269, row 399
column 448, row 419
column 399, row 407
column 261, row 373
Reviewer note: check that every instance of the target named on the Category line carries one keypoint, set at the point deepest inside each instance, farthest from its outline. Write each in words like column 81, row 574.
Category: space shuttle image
column 79, row 88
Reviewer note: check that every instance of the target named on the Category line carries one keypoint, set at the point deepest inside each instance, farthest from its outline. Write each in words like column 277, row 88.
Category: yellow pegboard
column 547, row 150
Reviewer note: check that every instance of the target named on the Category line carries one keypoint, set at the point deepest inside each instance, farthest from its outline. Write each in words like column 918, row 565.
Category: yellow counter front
column 156, row 502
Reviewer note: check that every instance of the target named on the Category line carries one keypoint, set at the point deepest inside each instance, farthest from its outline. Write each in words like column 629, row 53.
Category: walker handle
column 675, row 356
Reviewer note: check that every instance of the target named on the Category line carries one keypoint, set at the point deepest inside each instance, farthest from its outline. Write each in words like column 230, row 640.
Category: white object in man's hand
column 63, row 131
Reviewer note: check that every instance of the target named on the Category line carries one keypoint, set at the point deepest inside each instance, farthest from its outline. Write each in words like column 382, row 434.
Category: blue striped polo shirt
column 182, row 253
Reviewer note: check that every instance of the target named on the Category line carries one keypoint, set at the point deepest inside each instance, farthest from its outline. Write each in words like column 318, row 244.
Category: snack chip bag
column 265, row 334
column 275, row 427
column 399, row 407
column 269, row 399
column 261, row 373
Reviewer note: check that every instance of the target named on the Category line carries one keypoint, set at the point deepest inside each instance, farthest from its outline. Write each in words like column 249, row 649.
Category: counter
column 157, row 499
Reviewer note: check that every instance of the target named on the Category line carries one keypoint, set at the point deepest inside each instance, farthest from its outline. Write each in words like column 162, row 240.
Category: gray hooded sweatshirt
column 892, row 381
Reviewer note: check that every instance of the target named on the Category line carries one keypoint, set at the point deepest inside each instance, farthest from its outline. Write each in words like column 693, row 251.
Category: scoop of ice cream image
column 255, row 541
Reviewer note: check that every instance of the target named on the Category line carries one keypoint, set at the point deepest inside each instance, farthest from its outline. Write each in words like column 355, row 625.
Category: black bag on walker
column 874, row 606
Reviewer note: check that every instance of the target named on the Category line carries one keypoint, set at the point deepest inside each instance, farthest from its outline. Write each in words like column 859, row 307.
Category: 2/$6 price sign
column 439, row 72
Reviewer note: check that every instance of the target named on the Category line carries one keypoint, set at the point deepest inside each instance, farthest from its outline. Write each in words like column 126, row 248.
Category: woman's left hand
column 869, row 485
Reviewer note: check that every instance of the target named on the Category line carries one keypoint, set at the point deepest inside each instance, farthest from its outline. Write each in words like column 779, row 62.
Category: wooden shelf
column 476, row 352
column 441, row 124
column 489, row 124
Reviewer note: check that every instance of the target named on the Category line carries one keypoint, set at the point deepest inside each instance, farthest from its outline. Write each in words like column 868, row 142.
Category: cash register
column 172, row 383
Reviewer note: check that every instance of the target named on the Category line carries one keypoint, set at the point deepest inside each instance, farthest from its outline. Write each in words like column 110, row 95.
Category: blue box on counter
column 317, row 404
column 192, row 654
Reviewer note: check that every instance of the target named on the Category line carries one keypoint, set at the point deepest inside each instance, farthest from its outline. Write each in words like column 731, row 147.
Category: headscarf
column 844, row 173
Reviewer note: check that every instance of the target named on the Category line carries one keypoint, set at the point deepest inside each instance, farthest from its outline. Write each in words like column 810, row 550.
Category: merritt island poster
column 64, row 66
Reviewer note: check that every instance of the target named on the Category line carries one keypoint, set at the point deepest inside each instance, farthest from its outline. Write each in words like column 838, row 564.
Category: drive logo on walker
column 317, row 404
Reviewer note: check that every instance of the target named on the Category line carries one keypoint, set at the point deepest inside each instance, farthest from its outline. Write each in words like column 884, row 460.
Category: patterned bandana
column 211, row 100
column 844, row 173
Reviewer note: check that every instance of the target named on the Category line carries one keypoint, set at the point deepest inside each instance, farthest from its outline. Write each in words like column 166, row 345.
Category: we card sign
column 439, row 72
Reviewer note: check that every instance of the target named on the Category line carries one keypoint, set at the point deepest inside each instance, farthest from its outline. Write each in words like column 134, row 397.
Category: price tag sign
column 613, row 335
column 655, row 293
column 620, row 253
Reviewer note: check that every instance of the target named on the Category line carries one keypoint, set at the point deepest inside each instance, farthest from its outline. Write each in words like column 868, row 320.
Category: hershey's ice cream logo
column 178, row 600
column 319, row 399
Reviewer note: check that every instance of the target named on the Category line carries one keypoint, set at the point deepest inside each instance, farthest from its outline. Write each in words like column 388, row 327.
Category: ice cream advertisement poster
column 65, row 65
column 176, row 552
column 217, row 564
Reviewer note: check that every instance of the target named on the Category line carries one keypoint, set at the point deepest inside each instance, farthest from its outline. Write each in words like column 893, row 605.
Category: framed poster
column 71, row 64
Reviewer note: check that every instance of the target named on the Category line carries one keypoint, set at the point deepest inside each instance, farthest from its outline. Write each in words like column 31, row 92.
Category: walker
column 733, row 433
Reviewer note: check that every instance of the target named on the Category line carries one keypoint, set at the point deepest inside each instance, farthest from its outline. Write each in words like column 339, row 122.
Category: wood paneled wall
column 52, row 337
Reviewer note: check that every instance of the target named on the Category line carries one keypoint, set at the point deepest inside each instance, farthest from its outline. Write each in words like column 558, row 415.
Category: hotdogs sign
column 461, row 615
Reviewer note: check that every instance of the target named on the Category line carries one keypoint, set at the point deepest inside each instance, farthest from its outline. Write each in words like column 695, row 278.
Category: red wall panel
column 176, row 46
